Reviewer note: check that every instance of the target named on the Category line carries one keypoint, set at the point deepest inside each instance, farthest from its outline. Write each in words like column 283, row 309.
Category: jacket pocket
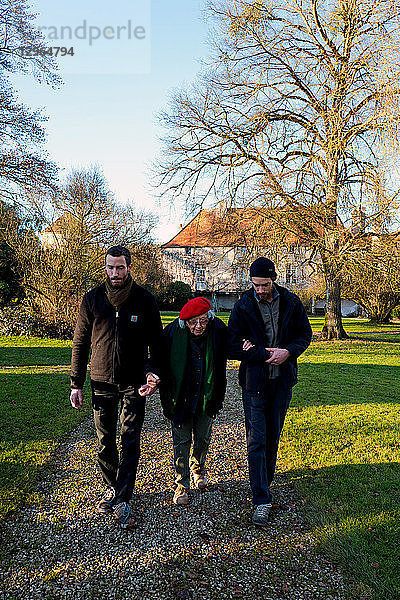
column 255, row 378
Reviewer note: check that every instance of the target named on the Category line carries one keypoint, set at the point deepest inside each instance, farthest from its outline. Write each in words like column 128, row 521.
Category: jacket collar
column 286, row 303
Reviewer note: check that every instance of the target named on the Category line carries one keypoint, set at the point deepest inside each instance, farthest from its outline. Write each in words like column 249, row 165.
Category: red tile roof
column 60, row 224
column 234, row 227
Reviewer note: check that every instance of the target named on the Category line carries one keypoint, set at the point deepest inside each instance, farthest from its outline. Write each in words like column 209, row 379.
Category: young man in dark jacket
column 119, row 322
column 267, row 331
column 193, row 388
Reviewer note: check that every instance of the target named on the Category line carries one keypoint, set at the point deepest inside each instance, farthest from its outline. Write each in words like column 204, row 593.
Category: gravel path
column 58, row 547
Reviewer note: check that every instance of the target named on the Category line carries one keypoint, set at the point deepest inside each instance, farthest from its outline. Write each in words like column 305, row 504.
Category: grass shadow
column 353, row 510
column 387, row 337
column 327, row 383
column 35, row 414
column 11, row 356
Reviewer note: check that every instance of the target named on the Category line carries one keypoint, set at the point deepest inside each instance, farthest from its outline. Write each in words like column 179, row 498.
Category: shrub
column 22, row 319
column 396, row 312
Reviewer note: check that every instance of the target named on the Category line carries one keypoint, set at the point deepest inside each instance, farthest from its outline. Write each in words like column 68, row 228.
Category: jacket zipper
column 271, row 316
column 115, row 343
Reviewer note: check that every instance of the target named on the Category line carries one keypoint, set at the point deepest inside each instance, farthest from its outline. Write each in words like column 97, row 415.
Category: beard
column 265, row 297
column 118, row 281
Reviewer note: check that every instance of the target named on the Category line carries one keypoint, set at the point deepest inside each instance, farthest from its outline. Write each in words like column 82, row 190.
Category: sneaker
column 105, row 505
column 181, row 496
column 123, row 516
column 261, row 514
column 200, row 480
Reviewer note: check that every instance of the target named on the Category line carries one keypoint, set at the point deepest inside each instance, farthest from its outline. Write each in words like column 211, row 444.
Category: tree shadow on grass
column 353, row 509
column 35, row 406
column 10, row 356
column 388, row 336
column 35, row 415
column 341, row 383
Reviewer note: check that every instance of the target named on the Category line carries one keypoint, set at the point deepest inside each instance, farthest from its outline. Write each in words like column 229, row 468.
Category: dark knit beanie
column 262, row 267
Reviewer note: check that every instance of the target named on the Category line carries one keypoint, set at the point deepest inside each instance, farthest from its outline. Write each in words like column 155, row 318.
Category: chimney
column 357, row 221
column 222, row 209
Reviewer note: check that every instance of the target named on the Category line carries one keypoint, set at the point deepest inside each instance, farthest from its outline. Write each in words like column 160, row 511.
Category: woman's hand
column 247, row 345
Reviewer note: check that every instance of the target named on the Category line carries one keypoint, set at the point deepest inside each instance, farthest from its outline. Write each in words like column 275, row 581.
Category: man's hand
column 277, row 356
column 76, row 398
column 150, row 386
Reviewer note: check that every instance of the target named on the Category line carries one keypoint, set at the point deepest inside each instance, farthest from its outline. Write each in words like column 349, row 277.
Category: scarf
column 117, row 295
column 178, row 364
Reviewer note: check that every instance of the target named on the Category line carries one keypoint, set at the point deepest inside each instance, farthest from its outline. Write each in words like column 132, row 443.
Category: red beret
column 195, row 307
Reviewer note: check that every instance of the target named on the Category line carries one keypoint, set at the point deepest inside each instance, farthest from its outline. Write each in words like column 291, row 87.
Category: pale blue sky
column 111, row 118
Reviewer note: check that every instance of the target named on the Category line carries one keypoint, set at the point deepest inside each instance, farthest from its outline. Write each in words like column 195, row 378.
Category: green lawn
column 341, row 449
column 35, row 413
column 340, row 446
column 352, row 326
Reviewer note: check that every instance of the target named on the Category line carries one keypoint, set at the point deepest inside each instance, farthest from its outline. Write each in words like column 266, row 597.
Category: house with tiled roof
column 55, row 235
column 211, row 253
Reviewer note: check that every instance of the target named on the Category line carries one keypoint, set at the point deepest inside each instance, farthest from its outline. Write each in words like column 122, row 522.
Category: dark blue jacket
column 218, row 330
column 294, row 334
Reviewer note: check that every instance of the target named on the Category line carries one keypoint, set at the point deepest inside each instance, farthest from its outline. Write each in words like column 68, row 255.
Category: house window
column 188, row 250
column 200, row 279
column 201, row 274
column 290, row 274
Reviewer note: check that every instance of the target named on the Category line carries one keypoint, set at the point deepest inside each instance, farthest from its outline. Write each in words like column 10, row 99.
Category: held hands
column 148, row 388
column 277, row 356
column 76, row 398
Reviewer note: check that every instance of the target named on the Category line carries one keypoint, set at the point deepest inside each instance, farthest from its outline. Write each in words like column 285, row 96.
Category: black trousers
column 264, row 418
column 110, row 401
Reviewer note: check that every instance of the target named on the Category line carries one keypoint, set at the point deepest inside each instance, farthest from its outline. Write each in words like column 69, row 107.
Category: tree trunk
column 333, row 327
column 382, row 306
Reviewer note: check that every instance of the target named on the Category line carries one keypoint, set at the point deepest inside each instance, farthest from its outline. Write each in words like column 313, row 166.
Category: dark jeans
column 264, row 417
column 109, row 401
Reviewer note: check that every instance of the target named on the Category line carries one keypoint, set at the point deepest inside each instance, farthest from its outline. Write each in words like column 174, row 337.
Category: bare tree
column 293, row 118
column 22, row 164
column 372, row 276
column 148, row 269
column 10, row 277
column 62, row 254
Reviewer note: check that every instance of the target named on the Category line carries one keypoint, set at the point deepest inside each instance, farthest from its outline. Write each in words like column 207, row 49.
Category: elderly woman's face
column 197, row 325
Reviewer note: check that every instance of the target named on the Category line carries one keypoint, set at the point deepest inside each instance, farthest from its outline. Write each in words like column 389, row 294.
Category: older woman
column 193, row 389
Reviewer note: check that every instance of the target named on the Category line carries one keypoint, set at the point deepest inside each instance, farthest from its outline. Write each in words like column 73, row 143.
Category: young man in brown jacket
column 119, row 322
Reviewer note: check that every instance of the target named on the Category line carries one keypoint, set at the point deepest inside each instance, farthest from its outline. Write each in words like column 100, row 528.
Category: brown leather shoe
column 181, row 496
column 200, row 480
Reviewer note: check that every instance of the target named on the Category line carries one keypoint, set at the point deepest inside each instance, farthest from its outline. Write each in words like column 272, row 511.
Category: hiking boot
column 181, row 496
column 200, row 480
column 123, row 516
column 261, row 514
column 105, row 505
